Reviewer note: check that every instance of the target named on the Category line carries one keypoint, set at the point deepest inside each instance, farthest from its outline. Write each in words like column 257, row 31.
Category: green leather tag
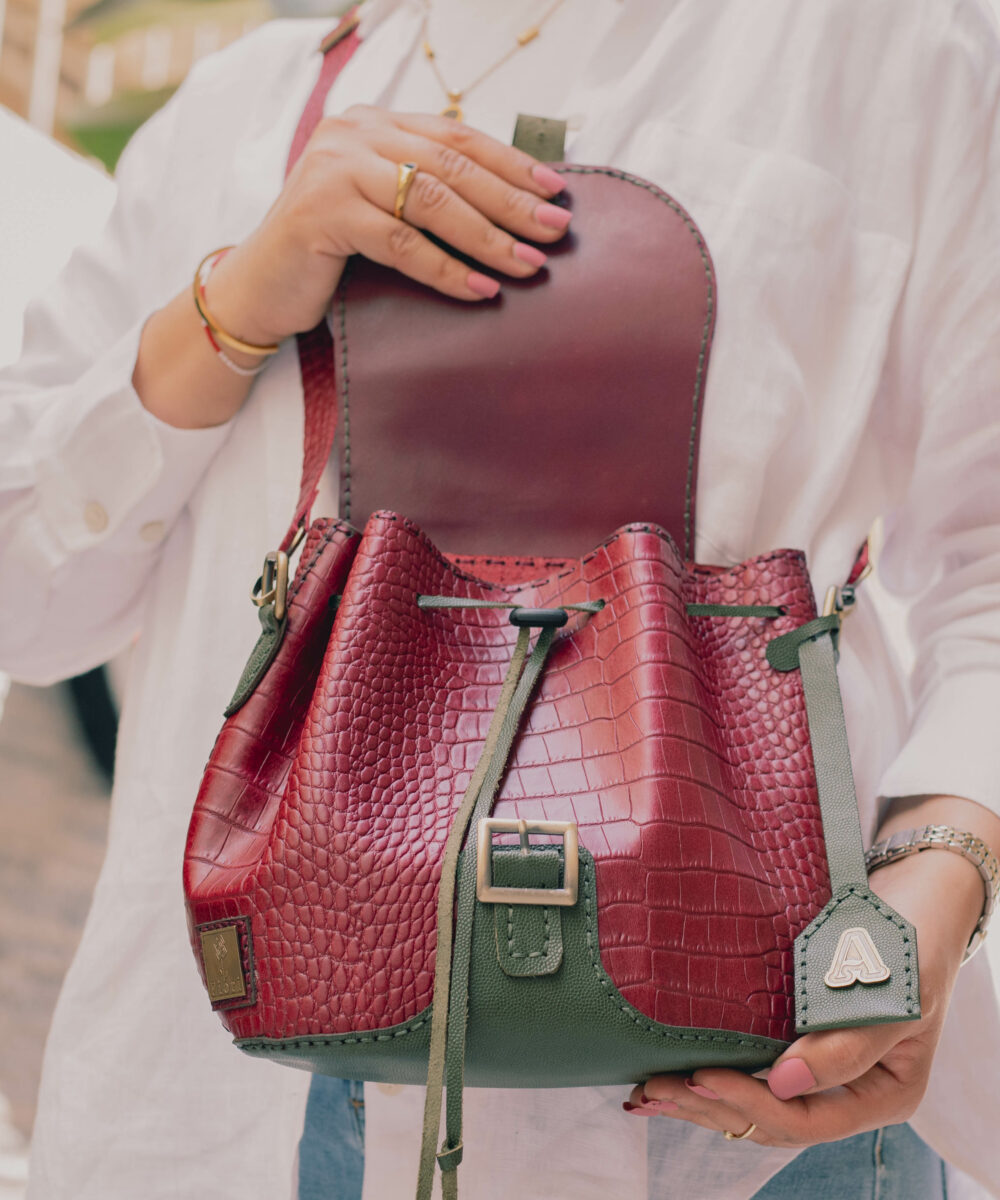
column 261, row 657
column 542, row 137
column 856, row 964
column 528, row 936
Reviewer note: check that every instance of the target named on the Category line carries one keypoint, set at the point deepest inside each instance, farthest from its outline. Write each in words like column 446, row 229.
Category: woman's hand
column 471, row 191
column 833, row 1084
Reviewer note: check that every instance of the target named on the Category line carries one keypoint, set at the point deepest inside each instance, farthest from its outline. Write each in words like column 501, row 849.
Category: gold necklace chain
column 455, row 95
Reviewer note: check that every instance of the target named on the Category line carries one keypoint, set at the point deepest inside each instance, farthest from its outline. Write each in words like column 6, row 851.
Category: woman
column 843, row 164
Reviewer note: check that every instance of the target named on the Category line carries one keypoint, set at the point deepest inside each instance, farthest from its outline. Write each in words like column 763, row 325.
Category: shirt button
column 389, row 1089
column 95, row 517
column 152, row 531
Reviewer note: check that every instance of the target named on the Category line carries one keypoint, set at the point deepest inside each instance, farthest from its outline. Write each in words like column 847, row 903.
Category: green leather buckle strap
column 528, row 937
column 856, row 962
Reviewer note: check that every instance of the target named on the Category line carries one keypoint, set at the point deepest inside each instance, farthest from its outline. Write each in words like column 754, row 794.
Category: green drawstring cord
column 448, row 1037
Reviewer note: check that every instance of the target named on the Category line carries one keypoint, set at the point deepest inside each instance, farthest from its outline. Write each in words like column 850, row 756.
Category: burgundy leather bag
column 553, row 804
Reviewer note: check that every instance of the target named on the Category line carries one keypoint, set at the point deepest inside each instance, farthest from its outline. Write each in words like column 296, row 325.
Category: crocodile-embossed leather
column 248, row 769
column 683, row 756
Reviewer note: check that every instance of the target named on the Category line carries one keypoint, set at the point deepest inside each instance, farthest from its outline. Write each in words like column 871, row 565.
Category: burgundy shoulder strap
column 319, row 384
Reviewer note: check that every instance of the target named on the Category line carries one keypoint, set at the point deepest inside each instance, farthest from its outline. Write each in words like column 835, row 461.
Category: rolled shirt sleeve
column 942, row 549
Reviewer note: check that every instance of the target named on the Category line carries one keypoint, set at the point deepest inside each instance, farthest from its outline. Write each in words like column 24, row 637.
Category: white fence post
column 47, row 65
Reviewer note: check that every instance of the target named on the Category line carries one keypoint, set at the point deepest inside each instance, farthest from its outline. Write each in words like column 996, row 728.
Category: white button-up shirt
column 843, row 162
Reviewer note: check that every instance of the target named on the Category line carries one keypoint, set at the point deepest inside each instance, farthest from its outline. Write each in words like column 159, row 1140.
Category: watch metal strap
column 944, row 837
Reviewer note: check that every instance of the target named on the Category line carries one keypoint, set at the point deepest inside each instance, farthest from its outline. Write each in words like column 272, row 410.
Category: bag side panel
column 247, row 771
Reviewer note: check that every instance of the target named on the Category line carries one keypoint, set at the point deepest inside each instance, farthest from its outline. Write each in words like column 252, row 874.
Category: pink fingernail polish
column 628, row 1107
column 482, row 285
column 551, row 180
column 790, row 1078
column 530, row 255
column 552, row 216
column 699, row 1090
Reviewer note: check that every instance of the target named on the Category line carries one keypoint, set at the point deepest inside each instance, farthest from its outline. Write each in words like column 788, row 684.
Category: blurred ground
column 53, row 818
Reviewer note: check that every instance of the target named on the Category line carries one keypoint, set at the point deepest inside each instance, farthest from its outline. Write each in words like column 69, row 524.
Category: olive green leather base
column 820, row 1006
column 571, row 1028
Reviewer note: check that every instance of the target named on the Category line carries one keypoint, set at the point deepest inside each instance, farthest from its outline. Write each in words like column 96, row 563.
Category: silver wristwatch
column 944, row 837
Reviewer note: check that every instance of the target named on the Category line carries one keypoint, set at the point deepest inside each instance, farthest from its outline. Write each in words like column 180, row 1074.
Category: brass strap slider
column 272, row 586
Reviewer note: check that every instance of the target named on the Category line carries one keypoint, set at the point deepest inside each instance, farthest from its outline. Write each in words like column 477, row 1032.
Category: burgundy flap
column 538, row 422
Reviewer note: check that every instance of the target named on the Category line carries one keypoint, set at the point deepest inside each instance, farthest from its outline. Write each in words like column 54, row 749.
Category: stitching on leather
column 345, row 483
column 706, row 335
column 639, row 527
column 511, row 952
column 553, row 563
column 344, row 1039
column 869, row 897
column 325, row 540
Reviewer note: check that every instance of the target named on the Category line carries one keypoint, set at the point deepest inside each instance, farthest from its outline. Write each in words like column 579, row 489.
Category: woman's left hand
column 834, row 1084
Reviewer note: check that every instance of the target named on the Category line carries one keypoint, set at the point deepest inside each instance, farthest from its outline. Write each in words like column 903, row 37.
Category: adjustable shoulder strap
column 319, row 383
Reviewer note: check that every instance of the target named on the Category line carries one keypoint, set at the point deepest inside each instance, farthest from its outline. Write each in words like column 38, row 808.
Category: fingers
column 507, row 204
column 827, row 1086
column 870, row 1102
column 667, row 1095
column 399, row 245
column 835, row 1056
column 856, row 1097
column 434, row 206
column 505, row 162
column 484, row 200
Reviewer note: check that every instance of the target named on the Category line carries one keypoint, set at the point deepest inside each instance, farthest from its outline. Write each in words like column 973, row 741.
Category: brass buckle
column 272, row 586
column 564, row 897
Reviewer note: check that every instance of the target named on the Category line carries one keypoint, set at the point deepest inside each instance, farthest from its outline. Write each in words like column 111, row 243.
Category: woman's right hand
column 471, row 191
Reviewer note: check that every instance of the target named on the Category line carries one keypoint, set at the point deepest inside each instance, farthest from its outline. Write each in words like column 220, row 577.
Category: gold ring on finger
column 405, row 174
column 739, row 1137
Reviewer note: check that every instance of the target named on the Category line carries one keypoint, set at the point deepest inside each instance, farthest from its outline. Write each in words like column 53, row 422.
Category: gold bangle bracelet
column 227, row 339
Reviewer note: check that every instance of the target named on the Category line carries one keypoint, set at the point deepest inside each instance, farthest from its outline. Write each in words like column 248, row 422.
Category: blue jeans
column 332, row 1147
column 888, row 1164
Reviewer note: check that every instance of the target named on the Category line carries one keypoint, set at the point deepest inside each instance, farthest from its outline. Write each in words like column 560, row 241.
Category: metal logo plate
column 220, row 952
